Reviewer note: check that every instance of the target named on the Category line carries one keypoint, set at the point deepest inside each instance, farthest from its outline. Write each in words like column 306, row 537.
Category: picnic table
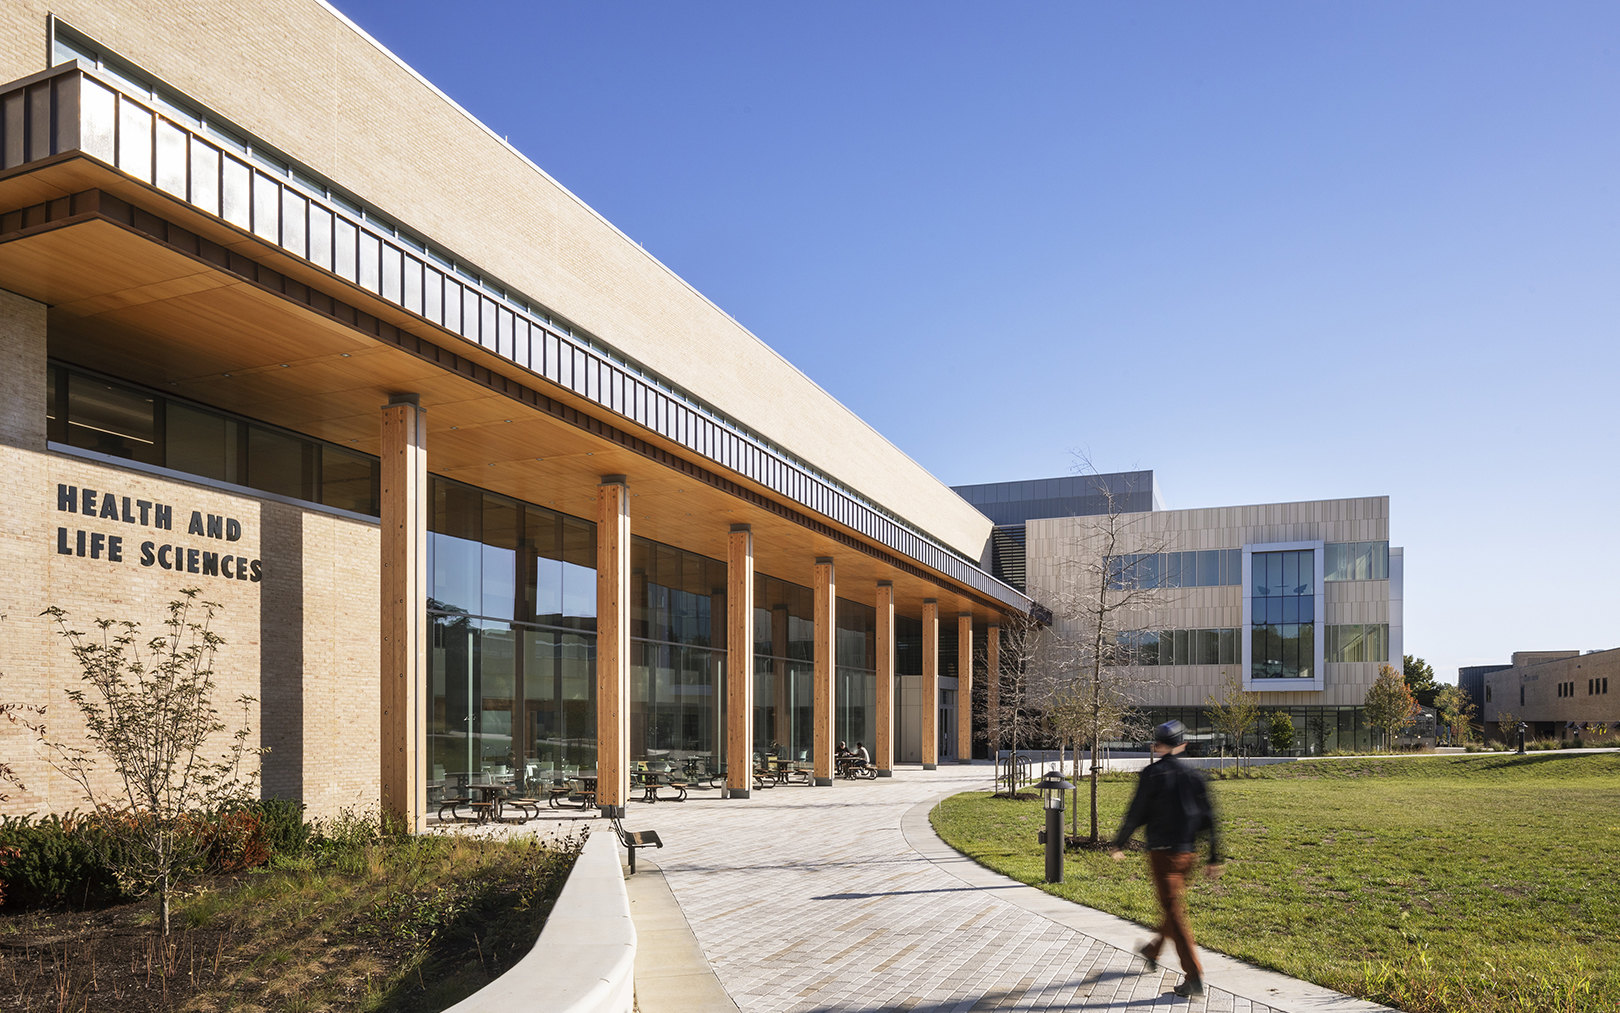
column 489, row 802
column 650, row 781
column 573, row 793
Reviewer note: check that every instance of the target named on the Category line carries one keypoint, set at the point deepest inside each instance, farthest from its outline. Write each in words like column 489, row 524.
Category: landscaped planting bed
column 352, row 920
column 1449, row 884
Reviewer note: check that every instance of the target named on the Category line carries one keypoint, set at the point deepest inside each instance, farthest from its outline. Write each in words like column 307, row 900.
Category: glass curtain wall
column 784, row 668
column 1318, row 731
column 855, row 676
column 677, row 650
column 512, row 645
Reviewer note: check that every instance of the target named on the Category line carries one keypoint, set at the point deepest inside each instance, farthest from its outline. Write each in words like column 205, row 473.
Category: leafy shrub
column 285, row 832
column 344, row 839
column 54, row 861
column 235, row 839
column 6, row 854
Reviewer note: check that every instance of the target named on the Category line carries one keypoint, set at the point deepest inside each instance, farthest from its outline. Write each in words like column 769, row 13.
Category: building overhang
column 157, row 271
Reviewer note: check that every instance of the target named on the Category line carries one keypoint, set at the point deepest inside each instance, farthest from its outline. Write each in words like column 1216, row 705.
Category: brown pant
column 1170, row 869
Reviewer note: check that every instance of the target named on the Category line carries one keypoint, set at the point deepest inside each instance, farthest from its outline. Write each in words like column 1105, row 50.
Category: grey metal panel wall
column 1008, row 503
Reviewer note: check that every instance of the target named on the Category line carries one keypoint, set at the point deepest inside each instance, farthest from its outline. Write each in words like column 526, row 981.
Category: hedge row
column 68, row 861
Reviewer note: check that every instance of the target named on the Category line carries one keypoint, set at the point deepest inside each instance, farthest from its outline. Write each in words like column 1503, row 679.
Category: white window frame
column 1317, row 681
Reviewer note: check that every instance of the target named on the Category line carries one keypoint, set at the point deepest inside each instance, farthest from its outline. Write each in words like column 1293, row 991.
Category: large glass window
column 1357, row 642
column 1180, row 647
column 512, row 660
column 205, row 443
column 1356, row 561
column 113, row 419
column 1317, row 730
column 855, row 675
column 348, row 479
column 1282, row 614
column 281, row 463
column 784, row 666
column 678, row 627
column 1201, row 568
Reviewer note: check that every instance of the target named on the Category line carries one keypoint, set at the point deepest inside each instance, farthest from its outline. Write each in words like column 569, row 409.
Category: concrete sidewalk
column 843, row 898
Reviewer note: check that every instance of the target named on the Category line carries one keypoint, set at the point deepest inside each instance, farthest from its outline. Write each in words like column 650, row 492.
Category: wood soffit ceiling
column 131, row 307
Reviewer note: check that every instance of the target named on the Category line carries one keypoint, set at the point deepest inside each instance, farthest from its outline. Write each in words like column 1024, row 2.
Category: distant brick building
column 1559, row 694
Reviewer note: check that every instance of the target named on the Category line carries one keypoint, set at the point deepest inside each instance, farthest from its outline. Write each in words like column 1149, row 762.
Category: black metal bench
column 633, row 839
column 527, row 808
column 452, row 803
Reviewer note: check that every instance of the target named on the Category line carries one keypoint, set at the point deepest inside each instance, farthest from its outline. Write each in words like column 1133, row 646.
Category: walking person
column 1172, row 802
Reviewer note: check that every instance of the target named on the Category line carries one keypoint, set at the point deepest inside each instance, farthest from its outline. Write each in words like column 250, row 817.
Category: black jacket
column 1172, row 802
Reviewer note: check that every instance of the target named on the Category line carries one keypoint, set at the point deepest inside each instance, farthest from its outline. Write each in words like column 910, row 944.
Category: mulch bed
column 114, row 958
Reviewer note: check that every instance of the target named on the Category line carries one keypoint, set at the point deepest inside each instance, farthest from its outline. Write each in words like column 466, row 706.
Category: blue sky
column 1271, row 251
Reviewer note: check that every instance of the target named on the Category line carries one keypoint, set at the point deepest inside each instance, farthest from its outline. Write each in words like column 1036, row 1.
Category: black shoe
column 1189, row 988
column 1147, row 954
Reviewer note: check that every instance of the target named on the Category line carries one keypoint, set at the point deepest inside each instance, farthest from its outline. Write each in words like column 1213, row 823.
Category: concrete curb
column 1220, row 971
column 672, row 973
column 584, row 960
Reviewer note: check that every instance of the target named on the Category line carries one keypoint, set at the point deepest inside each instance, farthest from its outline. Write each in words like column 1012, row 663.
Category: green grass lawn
column 1454, row 883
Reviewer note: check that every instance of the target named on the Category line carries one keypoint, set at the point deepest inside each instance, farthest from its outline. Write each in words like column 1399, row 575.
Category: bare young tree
column 148, row 711
column 1086, row 714
column 1234, row 713
column 1106, row 589
column 1031, row 659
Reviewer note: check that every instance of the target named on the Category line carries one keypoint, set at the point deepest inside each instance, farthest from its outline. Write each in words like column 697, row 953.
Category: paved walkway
column 842, row 898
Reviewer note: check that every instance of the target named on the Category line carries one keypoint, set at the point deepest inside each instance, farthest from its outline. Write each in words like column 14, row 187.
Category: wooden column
column 930, row 684
column 612, row 645
column 992, row 688
column 404, row 611
column 883, row 755
column 739, row 661
column 964, row 687
column 826, row 637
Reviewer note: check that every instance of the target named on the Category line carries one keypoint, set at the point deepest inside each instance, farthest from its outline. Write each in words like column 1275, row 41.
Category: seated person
column 842, row 757
column 862, row 757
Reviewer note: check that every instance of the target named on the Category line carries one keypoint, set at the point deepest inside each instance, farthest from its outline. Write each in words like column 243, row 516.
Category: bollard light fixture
column 1052, row 787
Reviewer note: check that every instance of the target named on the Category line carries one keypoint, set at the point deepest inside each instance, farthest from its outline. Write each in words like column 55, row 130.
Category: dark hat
column 1171, row 733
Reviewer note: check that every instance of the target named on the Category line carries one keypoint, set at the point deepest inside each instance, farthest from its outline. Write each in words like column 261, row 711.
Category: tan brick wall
column 1052, row 545
column 23, row 533
column 299, row 76
column 1540, row 684
column 303, row 640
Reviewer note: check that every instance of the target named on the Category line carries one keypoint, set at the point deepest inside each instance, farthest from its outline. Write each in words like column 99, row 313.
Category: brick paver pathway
column 821, row 899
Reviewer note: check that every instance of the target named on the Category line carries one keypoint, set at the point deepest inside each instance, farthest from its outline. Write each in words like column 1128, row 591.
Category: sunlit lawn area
column 1454, row 883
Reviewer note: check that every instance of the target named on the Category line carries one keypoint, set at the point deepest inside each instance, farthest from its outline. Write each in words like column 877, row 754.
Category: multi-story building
column 1559, row 694
column 480, row 486
column 1302, row 600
